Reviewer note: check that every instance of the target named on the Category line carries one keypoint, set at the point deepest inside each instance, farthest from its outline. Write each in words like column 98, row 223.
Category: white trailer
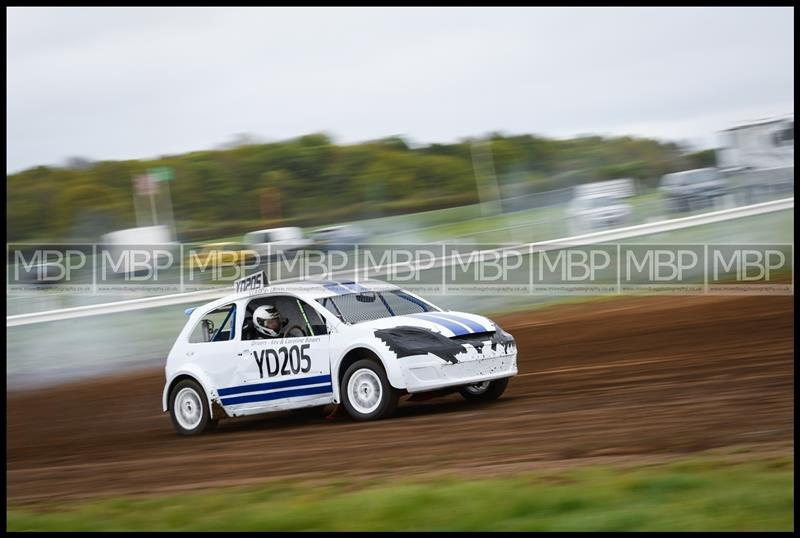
column 615, row 188
column 126, row 250
column 758, row 145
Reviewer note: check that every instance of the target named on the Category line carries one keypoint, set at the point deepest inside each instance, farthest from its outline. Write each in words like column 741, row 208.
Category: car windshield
column 367, row 306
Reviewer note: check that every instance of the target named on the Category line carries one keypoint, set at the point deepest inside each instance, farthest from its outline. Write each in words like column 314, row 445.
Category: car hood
column 447, row 324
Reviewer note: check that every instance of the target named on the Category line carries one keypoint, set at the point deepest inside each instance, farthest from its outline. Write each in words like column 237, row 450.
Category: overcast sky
column 138, row 83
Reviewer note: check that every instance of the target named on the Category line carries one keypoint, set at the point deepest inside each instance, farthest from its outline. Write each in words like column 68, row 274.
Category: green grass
column 466, row 223
column 695, row 494
column 440, row 224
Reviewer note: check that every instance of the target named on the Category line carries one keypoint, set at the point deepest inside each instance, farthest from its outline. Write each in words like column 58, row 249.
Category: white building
column 758, row 145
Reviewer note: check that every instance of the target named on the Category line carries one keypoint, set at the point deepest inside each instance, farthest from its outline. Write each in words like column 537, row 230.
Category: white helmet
column 263, row 314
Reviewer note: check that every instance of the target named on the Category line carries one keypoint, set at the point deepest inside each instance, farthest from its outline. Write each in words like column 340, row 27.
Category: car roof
column 308, row 290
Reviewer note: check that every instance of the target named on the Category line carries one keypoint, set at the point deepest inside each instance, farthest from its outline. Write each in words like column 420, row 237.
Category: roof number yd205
column 252, row 282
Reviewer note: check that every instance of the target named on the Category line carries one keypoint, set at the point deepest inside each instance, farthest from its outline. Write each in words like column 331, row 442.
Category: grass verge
column 701, row 493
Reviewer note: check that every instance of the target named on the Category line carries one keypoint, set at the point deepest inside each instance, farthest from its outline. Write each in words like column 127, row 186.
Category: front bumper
column 422, row 373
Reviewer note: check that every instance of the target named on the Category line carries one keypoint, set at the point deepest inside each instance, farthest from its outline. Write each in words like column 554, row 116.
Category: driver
column 267, row 321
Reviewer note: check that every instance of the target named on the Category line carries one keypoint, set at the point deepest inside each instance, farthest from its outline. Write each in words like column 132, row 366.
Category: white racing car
column 308, row 344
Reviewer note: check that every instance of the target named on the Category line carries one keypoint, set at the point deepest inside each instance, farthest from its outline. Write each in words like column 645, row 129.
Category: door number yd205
column 283, row 361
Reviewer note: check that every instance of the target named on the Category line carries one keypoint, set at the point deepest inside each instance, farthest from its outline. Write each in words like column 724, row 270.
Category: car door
column 280, row 373
column 215, row 350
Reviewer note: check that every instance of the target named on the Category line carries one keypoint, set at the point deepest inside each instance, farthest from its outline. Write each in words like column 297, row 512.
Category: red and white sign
column 146, row 185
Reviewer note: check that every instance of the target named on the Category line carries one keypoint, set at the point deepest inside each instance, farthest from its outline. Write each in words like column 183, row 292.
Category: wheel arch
column 197, row 378
column 364, row 351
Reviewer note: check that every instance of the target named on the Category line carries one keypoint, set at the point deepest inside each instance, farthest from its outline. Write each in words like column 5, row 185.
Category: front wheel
column 367, row 394
column 188, row 408
column 486, row 391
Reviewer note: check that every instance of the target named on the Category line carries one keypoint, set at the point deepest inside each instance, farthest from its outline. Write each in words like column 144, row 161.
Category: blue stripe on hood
column 475, row 326
column 455, row 328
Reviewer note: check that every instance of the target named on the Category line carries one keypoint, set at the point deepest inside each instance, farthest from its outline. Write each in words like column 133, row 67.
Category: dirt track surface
column 643, row 378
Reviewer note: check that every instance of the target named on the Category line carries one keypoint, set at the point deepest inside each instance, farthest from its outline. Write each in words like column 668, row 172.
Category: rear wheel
column 366, row 392
column 188, row 408
column 485, row 391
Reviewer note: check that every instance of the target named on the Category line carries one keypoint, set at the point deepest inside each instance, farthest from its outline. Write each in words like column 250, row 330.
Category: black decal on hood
column 406, row 341
column 504, row 339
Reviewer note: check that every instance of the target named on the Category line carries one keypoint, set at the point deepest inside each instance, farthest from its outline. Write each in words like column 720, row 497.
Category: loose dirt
column 643, row 378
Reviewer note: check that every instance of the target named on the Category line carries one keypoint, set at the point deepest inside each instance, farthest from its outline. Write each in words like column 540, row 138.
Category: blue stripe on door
column 266, row 396
column 314, row 380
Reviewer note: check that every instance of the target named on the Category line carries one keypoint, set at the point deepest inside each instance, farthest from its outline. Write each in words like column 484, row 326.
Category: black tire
column 389, row 395
column 495, row 389
column 206, row 422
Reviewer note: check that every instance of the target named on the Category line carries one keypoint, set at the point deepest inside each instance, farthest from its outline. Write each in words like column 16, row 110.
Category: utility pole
column 485, row 177
column 162, row 175
column 149, row 184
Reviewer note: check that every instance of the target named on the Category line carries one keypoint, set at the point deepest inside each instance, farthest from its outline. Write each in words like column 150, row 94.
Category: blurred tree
column 74, row 200
column 78, row 163
column 273, row 188
column 317, row 181
column 702, row 159
column 239, row 140
column 394, row 143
